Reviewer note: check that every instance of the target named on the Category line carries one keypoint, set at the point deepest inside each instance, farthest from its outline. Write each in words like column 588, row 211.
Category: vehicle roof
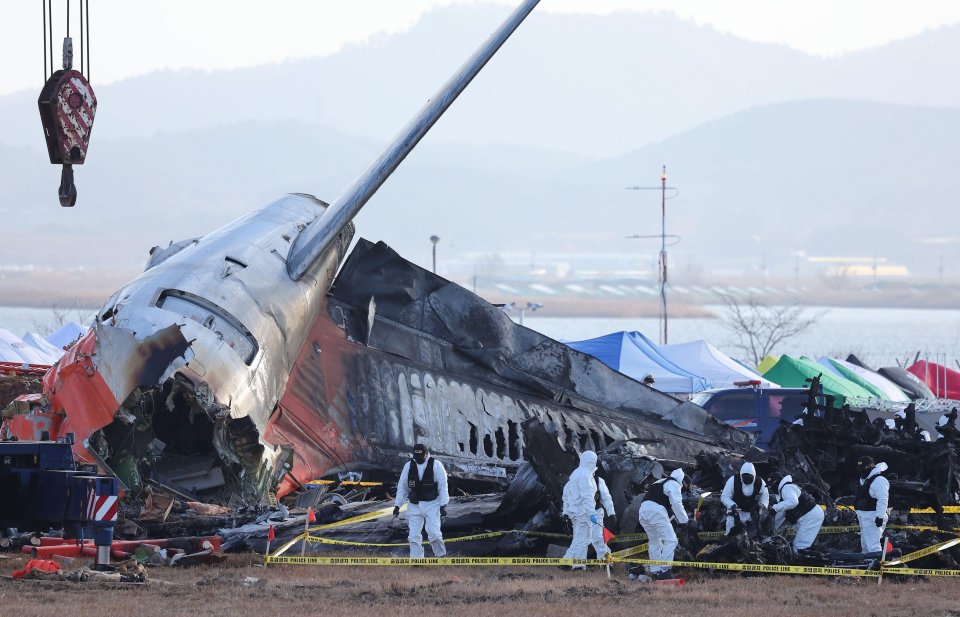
column 748, row 388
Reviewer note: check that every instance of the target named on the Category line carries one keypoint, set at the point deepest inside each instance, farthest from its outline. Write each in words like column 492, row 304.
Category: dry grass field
column 461, row 591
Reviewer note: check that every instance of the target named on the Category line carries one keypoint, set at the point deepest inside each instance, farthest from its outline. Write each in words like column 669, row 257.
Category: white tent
column 704, row 359
column 13, row 349
column 68, row 333
column 878, row 381
column 51, row 351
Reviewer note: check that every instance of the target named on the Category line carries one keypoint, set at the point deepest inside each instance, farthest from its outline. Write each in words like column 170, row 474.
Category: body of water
column 879, row 336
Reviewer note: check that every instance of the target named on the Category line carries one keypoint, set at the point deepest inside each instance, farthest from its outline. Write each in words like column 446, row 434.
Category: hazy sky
column 131, row 37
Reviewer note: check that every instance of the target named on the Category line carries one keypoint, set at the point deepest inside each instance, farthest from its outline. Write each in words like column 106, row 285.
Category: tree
column 759, row 328
column 61, row 314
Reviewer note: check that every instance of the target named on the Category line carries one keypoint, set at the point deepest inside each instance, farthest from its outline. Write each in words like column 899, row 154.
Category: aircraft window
column 212, row 317
column 514, row 440
column 473, row 438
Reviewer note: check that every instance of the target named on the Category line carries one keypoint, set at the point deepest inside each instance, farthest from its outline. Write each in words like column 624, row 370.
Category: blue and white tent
column 634, row 355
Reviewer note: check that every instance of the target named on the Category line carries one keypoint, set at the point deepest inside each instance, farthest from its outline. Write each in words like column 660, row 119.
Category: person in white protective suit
column 423, row 481
column 663, row 497
column 580, row 506
column 872, row 498
column 797, row 508
column 745, row 495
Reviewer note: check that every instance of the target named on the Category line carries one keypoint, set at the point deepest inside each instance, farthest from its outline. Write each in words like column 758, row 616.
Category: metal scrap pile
column 821, row 452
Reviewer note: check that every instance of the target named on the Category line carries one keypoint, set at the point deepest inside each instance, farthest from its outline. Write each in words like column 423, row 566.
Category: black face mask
column 420, row 457
column 747, row 478
column 865, row 471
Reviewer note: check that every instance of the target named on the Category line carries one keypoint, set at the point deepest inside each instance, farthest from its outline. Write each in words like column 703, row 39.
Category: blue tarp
column 634, row 355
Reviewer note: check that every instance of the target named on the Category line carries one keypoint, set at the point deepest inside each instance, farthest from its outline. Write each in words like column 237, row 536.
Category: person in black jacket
column 873, row 495
column 797, row 508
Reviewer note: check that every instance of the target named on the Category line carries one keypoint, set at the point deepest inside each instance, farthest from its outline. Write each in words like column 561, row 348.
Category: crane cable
column 47, row 24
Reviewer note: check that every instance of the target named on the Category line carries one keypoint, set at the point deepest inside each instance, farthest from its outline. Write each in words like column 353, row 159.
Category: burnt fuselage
column 403, row 356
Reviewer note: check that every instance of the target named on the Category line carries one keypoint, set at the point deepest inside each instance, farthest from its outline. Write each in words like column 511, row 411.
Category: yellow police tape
column 930, row 550
column 343, row 483
column 622, row 556
column 706, row 535
column 437, row 561
column 921, row 572
column 476, row 536
column 555, row 561
column 369, row 516
column 630, row 552
column 946, row 509
column 952, row 532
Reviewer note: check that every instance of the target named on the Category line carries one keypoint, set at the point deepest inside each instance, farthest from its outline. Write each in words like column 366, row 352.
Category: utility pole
column 663, row 253
column 662, row 274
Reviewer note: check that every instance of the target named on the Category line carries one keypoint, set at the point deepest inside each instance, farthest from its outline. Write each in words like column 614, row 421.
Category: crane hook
column 68, row 190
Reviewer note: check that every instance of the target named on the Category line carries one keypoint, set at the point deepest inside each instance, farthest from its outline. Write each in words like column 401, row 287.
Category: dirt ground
column 460, row 591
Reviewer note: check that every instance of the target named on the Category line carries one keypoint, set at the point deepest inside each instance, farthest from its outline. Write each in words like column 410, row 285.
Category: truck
column 752, row 408
column 41, row 487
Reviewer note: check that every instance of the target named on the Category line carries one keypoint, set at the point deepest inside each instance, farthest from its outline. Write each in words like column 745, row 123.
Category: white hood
column 786, row 480
column 877, row 469
column 748, row 468
column 677, row 474
column 588, row 461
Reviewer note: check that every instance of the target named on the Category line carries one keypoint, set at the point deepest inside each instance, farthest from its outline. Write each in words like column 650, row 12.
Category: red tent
column 945, row 382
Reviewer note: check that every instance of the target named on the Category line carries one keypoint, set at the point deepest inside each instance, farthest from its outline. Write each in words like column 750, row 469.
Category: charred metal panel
column 426, row 319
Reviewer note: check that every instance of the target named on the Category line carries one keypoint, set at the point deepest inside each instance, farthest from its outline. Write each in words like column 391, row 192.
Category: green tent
column 791, row 373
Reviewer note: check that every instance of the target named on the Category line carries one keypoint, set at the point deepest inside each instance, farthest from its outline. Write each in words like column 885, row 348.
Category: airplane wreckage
column 241, row 365
column 238, row 365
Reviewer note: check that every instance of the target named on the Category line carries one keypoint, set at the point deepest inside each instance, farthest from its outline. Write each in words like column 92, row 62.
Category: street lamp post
column 434, row 240
column 662, row 274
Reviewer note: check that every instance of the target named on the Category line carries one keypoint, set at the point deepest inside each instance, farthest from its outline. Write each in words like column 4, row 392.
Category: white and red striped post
column 103, row 505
